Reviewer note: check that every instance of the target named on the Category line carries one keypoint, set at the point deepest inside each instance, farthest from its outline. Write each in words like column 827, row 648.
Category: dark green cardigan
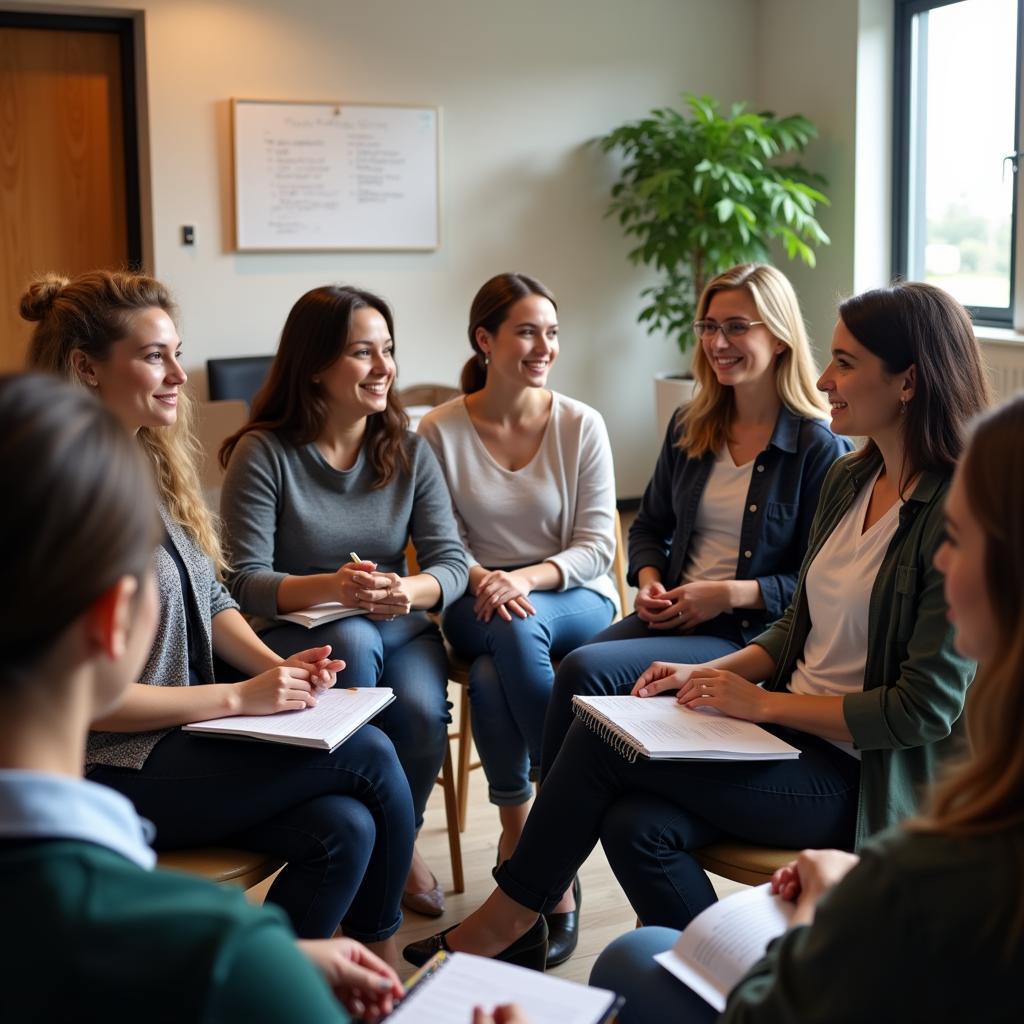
column 905, row 721
column 89, row 936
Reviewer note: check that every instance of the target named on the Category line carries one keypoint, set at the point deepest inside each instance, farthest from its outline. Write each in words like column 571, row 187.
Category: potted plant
column 701, row 193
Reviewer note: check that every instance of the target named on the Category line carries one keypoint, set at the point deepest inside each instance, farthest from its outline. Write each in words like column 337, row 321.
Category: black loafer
column 529, row 950
column 564, row 930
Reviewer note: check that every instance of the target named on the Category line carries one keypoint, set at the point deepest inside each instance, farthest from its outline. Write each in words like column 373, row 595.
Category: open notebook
column 447, row 988
column 318, row 614
column 722, row 943
column 658, row 727
column 338, row 713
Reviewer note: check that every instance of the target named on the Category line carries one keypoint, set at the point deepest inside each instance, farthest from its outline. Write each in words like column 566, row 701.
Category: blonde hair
column 704, row 423
column 88, row 314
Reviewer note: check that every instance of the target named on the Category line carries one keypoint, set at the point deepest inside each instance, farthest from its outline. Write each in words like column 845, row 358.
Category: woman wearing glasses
column 723, row 523
column 860, row 673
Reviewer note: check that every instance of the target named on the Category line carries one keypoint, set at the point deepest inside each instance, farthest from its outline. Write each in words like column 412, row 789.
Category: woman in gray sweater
column 342, row 820
column 325, row 487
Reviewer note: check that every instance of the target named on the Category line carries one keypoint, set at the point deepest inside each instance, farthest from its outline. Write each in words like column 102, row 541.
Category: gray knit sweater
column 168, row 658
column 288, row 512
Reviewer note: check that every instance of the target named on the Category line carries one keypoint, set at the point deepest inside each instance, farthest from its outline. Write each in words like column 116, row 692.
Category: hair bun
column 39, row 298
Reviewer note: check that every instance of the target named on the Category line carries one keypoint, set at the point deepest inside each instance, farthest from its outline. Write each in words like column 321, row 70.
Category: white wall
column 523, row 87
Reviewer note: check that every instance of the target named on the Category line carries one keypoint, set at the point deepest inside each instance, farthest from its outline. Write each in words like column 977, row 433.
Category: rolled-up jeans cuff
column 528, row 898
column 509, row 798
column 352, row 932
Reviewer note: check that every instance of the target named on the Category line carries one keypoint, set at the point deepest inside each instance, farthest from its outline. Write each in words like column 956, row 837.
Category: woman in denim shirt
column 723, row 524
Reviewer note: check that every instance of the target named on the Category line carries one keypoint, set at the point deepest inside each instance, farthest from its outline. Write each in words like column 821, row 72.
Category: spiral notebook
column 447, row 988
column 661, row 729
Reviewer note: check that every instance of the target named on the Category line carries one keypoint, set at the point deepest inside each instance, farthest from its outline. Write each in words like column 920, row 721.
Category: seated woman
column 324, row 468
column 724, row 521
column 929, row 924
column 93, row 932
column 530, row 475
column 342, row 820
column 860, row 673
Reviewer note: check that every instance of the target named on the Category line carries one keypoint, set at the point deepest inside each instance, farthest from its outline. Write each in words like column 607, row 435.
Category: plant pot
column 671, row 390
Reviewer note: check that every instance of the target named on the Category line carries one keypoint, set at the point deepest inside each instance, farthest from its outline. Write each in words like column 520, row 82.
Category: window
column 958, row 152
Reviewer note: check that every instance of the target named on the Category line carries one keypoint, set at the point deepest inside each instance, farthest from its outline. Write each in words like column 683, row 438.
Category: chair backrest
column 419, row 399
column 236, row 377
column 619, row 566
column 214, row 422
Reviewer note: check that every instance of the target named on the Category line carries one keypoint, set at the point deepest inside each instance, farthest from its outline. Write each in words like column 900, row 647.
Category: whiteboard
column 335, row 176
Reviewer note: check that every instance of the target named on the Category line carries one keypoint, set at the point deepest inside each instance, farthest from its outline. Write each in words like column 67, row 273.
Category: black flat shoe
column 529, row 950
column 564, row 930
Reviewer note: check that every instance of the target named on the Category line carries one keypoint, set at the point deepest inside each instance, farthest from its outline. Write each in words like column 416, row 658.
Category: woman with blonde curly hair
column 342, row 820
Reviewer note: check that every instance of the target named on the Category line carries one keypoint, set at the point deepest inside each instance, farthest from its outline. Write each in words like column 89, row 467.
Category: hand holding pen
column 381, row 594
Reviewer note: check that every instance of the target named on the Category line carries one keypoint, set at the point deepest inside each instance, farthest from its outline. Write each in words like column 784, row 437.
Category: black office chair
column 237, row 377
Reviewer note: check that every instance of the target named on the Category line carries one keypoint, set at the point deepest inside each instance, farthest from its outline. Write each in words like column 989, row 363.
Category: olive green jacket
column 906, row 719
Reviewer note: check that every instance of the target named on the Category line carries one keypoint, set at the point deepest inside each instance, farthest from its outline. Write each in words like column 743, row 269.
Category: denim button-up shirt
column 777, row 514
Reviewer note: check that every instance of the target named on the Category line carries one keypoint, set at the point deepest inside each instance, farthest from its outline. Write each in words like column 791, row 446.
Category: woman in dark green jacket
column 91, row 932
column 861, row 674
column 928, row 923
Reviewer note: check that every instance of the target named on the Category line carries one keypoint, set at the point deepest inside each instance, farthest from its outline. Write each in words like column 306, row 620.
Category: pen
column 353, row 557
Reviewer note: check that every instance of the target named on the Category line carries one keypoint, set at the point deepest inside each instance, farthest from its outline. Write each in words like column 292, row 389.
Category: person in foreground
column 325, row 469
column 531, row 479
column 860, row 673
column 928, row 923
column 723, row 525
column 341, row 820
column 91, row 931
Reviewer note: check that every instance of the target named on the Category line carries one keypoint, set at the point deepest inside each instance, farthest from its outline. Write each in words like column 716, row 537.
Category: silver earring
column 485, row 358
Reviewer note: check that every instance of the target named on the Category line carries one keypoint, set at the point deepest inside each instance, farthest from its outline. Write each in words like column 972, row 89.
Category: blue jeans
column 342, row 820
column 511, row 677
column 649, row 815
column 406, row 654
column 627, row 966
column 610, row 663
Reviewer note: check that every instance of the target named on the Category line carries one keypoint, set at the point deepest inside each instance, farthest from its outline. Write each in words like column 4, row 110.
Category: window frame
column 996, row 316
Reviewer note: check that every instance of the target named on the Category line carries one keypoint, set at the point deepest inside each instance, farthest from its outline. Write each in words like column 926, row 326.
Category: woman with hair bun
column 341, row 820
column 530, row 475
column 80, row 608
column 326, row 467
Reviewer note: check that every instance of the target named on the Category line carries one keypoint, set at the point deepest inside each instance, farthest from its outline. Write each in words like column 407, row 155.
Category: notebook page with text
column 723, row 942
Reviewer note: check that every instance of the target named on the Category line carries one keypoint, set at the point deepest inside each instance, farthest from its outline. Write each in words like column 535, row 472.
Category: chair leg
column 452, row 818
column 465, row 748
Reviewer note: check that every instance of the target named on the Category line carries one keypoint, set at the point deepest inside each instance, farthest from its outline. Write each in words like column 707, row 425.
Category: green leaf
column 724, row 208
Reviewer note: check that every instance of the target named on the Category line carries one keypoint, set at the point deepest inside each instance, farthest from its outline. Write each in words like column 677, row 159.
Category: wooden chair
column 221, row 864
column 742, row 862
column 458, row 672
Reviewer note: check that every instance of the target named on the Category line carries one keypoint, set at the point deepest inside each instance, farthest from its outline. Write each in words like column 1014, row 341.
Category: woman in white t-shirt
column 531, row 479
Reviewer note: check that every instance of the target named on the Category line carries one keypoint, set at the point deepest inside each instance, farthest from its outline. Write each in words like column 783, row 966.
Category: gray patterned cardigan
column 168, row 659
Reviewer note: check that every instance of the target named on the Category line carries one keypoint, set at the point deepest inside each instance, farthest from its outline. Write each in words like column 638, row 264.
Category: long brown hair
column 90, row 313
column 81, row 515
column 292, row 403
column 912, row 323
column 489, row 309
column 984, row 794
column 704, row 423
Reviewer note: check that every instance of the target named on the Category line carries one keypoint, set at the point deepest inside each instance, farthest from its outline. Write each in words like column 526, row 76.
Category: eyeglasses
column 731, row 329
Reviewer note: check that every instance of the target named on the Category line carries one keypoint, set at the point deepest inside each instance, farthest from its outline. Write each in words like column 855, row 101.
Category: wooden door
column 63, row 172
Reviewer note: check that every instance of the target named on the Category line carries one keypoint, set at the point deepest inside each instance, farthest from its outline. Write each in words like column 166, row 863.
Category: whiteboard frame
column 236, row 212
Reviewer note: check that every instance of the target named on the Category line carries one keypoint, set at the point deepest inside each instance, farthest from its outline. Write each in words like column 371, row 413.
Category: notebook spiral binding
column 606, row 731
